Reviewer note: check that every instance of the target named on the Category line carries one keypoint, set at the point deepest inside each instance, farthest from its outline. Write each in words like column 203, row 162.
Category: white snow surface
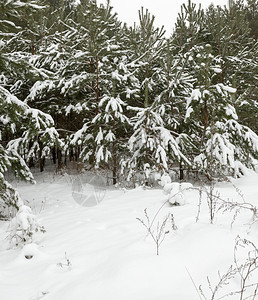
column 103, row 252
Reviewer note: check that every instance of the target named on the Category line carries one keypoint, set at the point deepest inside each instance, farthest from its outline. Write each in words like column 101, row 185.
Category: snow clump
column 174, row 190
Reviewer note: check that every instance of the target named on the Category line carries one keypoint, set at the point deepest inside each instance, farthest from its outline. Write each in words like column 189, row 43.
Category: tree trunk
column 54, row 155
column 31, row 163
column 146, row 102
column 41, row 159
column 97, row 87
column 114, row 171
column 92, row 72
column 181, row 170
column 59, row 159
column 205, row 120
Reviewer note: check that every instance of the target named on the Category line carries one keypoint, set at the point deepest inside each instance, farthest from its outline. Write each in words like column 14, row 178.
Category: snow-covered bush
column 24, row 226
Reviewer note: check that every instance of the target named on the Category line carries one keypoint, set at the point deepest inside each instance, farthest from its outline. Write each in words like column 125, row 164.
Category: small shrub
column 24, row 226
column 67, row 263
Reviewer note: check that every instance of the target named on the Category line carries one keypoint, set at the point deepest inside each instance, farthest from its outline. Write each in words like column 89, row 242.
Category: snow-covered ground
column 103, row 252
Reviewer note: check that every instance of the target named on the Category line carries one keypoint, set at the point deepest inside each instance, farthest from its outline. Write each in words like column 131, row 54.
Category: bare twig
column 159, row 233
column 197, row 291
column 245, row 271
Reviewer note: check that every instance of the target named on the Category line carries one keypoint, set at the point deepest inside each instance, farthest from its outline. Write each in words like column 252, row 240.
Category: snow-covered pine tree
column 212, row 102
column 188, row 27
column 17, row 117
column 81, row 80
column 153, row 143
column 53, row 55
column 176, row 86
column 146, row 42
column 228, row 32
column 102, row 137
column 20, row 125
column 15, row 46
column 252, row 17
column 225, row 146
column 10, row 110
